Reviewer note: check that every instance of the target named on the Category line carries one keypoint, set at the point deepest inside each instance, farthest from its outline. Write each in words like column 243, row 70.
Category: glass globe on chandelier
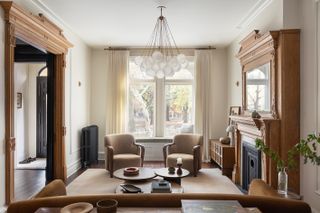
column 161, row 56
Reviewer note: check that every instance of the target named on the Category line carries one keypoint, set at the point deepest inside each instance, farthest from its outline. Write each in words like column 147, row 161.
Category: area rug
column 98, row 181
column 39, row 164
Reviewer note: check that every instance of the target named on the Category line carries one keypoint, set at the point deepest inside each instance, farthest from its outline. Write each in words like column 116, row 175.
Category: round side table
column 164, row 172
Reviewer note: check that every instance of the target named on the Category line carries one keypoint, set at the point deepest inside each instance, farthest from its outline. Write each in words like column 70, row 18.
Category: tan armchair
column 185, row 146
column 121, row 151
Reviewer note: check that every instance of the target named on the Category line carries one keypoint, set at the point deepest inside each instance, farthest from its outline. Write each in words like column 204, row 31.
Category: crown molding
column 253, row 13
column 54, row 17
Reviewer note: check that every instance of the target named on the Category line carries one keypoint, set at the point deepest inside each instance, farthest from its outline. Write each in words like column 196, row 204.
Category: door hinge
column 64, row 130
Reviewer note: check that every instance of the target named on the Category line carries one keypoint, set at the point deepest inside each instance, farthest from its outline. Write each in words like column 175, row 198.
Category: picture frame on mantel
column 234, row 110
column 19, row 100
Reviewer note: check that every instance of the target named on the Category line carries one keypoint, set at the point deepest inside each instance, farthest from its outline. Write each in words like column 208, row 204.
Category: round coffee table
column 164, row 172
column 144, row 174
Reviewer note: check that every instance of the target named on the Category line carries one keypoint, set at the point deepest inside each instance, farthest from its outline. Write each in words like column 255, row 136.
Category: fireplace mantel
column 279, row 126
column 266, row 129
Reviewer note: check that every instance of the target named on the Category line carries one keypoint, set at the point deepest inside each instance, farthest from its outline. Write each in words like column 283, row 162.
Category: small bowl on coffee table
column 131, row 171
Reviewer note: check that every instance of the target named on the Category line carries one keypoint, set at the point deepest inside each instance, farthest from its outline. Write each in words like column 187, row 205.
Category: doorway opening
column 33, row 71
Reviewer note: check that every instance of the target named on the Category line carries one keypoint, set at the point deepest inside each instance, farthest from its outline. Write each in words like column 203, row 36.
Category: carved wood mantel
column 43, row 34
column 280, row 127
column 265, row 129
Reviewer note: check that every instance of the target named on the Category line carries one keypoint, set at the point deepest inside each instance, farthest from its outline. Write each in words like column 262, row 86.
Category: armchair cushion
column 126, row 160
column 122, row 143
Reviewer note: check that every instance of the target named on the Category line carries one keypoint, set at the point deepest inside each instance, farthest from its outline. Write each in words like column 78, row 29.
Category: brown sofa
column 264, row 198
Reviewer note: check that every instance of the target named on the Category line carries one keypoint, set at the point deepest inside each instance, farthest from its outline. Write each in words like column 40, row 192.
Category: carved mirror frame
column 42, row 33
column 257, row 50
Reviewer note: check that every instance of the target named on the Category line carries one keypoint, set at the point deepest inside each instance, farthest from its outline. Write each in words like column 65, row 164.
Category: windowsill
column 154, row 139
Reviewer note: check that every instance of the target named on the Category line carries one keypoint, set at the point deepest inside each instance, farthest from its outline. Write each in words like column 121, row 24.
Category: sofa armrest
column 259, row 188
column 54, row 188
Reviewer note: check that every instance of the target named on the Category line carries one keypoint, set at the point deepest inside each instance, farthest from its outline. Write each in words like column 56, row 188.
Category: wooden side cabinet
column 224, row 156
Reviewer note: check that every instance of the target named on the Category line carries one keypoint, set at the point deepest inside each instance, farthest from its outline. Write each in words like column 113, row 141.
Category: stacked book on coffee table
column 161, row 186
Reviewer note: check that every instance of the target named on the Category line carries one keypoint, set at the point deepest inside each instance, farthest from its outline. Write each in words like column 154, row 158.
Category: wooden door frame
column 44, row 34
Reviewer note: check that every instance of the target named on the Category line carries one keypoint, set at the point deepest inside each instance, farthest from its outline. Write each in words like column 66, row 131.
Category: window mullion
column 160, row 98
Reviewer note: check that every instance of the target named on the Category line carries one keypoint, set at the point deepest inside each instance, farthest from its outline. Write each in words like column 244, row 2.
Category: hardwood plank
column 28, row 183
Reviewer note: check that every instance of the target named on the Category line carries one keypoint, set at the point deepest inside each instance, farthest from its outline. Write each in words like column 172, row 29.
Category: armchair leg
column 111, row 174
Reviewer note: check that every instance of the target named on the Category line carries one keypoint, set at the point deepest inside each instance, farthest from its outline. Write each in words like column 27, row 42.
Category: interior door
column 42, row 116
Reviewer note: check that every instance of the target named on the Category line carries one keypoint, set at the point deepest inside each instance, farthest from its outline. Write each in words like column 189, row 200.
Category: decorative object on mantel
column 255, row 114
column 224, row 140
column 305, row 147
column 234, row 110
column 162, row 56
column 230, row 130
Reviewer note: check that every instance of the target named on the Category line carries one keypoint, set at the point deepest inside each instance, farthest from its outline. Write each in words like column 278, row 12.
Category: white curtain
column 203, row 106
column 118, row 63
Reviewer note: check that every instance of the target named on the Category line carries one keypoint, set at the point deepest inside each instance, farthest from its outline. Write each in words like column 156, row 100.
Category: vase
column 282, row 181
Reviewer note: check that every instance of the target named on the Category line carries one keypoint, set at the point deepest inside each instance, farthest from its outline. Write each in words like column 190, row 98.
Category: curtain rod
column 194, row 48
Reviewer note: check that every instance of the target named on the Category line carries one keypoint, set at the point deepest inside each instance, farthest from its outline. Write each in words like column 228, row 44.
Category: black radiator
column 89, row 145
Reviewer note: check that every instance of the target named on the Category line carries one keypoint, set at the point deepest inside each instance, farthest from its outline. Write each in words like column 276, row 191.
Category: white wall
column 98, row 95
column 33, row 69
column 25, row 117
column 219, row 94
column 77, row 99
column 308, row 104
column 21, row 114
column 271, row 18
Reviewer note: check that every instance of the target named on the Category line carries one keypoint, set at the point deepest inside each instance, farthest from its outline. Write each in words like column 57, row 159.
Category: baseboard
column 101, row 156
column 73, row 167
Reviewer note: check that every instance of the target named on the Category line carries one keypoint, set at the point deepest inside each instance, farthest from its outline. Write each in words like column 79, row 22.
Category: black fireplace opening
column 251, row 164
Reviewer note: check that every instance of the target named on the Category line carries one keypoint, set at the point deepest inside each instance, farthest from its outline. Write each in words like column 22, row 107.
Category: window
column 160, row 107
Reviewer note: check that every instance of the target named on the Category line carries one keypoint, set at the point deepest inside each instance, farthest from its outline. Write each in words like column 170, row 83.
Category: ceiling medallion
column 161, row 56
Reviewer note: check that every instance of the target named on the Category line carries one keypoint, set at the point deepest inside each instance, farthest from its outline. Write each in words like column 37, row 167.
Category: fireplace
column 251, row 164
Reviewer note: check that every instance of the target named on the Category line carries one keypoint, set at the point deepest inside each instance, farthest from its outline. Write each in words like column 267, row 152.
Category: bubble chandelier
column 161, row 57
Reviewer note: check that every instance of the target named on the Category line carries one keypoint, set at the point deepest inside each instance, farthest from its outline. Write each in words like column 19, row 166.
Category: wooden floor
column 28, row 182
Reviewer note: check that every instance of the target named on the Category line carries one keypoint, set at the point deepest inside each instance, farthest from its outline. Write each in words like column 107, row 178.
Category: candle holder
column 179, row 170
column 171, row 170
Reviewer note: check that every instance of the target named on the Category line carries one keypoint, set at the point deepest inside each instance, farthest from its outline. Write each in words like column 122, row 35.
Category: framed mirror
column 258, row 88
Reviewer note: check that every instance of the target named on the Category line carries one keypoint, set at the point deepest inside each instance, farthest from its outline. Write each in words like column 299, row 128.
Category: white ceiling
column 129, row 23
